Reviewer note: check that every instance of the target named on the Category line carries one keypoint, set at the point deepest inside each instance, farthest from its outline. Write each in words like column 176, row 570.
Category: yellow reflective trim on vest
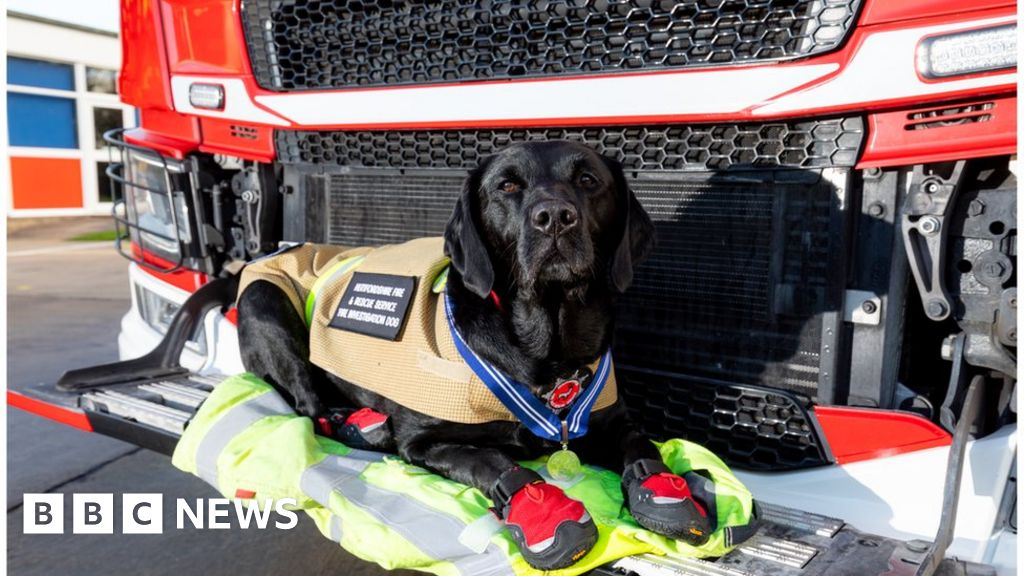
column 441, row 282
column 331, row 273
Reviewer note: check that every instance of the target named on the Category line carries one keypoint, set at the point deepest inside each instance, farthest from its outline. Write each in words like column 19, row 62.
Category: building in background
column 61, row 98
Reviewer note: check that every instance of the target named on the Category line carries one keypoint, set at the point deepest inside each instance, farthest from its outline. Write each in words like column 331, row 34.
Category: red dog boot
column 365, row 429
column 551, row 530
column 662, row 502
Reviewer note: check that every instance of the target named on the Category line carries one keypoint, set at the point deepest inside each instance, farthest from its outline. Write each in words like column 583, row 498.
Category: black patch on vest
column 375, row 305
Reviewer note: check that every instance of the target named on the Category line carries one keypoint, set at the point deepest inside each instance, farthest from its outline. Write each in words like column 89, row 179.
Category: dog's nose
column 553, row 217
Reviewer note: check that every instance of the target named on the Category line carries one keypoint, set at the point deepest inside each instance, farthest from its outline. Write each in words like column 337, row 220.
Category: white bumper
column 137, row 337
column 901, row 496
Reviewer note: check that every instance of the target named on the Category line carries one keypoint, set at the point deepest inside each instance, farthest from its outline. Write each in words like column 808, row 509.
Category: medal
column 564, row 465
column 566, row 390
column 564, row 412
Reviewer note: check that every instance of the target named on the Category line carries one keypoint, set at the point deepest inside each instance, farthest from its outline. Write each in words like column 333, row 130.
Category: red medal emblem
column 564, row 394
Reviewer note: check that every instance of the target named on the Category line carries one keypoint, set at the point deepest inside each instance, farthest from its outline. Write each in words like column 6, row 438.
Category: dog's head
column 547, row 213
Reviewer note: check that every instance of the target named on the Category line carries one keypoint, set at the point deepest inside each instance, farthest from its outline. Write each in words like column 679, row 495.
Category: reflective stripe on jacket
column 247, row 443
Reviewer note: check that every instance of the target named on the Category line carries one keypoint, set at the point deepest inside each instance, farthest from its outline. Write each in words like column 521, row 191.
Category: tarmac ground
column 65, row 302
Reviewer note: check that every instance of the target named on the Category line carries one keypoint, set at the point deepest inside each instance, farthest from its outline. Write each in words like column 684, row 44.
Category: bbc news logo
column 144, row 514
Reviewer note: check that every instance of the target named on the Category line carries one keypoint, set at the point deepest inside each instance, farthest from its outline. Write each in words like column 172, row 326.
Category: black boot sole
column 572, row 541
column 681, row 520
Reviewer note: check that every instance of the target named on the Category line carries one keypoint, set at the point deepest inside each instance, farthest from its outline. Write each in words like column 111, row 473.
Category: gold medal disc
column 564, row 465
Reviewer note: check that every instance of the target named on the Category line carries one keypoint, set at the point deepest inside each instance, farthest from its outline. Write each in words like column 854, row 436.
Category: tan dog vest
column 421, row 369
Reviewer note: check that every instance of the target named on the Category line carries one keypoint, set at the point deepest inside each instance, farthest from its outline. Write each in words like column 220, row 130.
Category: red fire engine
column 832, row 306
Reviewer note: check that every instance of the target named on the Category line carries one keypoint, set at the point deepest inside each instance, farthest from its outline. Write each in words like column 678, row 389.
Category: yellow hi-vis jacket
column 421, row 370
column 249, row 444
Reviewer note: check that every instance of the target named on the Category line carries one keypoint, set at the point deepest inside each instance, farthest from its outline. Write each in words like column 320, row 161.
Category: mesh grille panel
column 808, row 144
column 732, row 261
column 739, row 272
column 751, row 427
column 323, row 44
column 375, row 209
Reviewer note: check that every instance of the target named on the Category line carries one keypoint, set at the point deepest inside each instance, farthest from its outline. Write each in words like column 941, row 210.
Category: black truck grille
column 720, row 338
column 807, row 144
column 747, row 426
column 327, row 44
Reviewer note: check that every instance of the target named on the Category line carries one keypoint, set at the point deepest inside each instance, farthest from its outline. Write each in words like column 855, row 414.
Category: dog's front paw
column 364, row 429
column 551, row 530
column 662, row 502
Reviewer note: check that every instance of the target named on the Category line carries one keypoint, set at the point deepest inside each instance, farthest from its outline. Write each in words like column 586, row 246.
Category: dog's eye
column 587, row 180
column 509, row 187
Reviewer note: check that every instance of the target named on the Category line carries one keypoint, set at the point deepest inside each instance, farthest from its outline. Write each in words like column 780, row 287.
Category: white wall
column 101, row 14
column 51, row 42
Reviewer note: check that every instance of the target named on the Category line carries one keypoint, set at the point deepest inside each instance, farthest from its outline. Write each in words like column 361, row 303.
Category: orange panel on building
column 46, row 182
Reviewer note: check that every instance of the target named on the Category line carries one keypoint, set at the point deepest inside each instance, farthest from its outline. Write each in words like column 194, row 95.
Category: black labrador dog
column 552, row 232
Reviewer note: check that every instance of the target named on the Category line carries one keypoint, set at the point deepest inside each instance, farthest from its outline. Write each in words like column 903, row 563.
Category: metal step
column 806, row 521
column 785, row 552
column 127, row 406
column 175, row 392
column 165, row 404
column 651, row 565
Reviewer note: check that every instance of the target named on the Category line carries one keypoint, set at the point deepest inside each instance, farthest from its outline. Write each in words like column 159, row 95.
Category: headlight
column 158, row 312
column 150, row 205
column 968, row 52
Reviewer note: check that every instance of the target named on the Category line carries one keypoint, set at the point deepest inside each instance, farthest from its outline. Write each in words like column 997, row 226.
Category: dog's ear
column 462, row 241
column 637, row 240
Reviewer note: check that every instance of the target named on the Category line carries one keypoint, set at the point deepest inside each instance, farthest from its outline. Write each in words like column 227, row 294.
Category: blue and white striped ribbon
column 517, row 397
